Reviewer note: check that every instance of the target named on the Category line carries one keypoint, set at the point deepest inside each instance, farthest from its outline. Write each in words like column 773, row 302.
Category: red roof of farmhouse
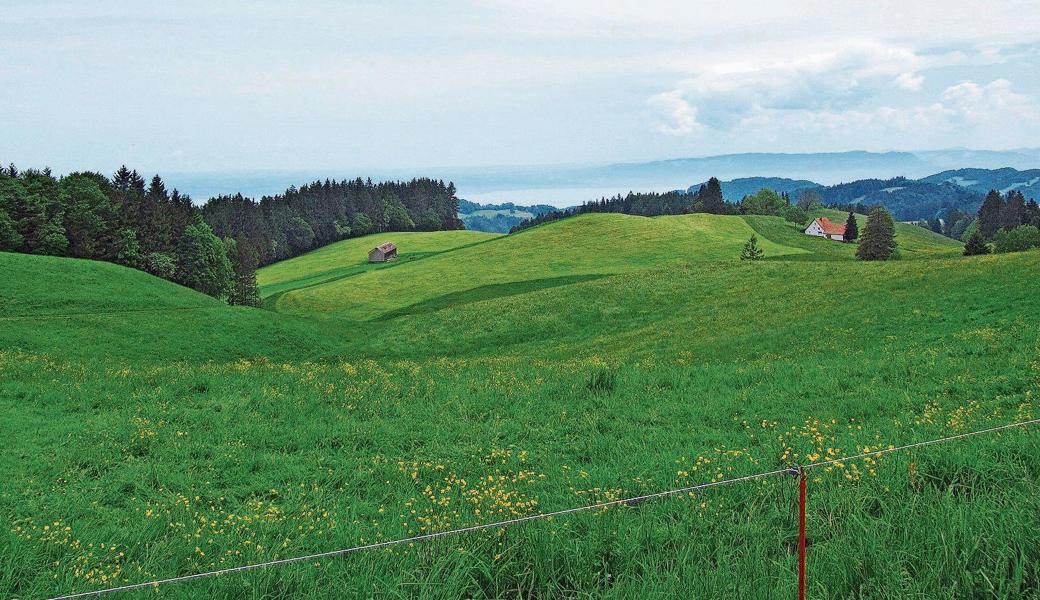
column 830, row 227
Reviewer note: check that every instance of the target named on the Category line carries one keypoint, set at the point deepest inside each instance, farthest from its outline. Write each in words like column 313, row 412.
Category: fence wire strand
column 631, row 501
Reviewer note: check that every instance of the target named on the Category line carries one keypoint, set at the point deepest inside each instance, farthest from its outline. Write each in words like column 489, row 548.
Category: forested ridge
column 214, row 249
column 322, row 212
column 707, row 199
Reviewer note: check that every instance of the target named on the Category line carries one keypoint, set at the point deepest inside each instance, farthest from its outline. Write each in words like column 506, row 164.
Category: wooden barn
column 382, row 253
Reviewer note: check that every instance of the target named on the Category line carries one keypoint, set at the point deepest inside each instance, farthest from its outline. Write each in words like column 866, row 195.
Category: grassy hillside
column 555, row 254
column 152, row 444
column 350, row 257
column 913, row 242
column 86, row 309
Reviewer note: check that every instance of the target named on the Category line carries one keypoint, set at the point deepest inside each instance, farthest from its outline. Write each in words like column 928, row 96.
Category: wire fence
column 631, row 501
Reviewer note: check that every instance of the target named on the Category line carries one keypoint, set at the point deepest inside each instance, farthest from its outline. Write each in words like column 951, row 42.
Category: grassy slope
column 554, row 254
column 45, row 285
column 188, row 457
column 86, row 309
column 913, row 242
column 350, row 257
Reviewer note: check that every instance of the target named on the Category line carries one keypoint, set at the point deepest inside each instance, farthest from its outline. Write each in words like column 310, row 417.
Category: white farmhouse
column 824, row 227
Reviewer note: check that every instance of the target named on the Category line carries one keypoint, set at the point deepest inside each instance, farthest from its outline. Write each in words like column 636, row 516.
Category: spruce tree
column 244, row 289
column 990, row 214
column 751, row 250
column 879, row 239
column 976, row 245
column 851, row 228
column 1014, row 211
column 711, row 197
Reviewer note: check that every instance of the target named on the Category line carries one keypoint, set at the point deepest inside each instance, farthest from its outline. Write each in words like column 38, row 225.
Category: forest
column 322, row 212
column 214, row 249
column 707, row 199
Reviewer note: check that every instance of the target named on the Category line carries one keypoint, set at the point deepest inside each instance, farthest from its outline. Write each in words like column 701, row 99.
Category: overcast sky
column 217, row 85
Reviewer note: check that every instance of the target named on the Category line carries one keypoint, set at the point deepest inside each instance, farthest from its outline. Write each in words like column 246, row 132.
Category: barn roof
column 830, row 227
column 385, row 247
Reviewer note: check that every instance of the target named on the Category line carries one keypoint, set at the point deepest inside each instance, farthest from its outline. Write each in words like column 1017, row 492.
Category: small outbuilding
column 824, row 227
column 382, row 253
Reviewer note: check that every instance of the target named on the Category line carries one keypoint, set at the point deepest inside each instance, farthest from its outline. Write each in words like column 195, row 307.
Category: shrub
column 1023, row 237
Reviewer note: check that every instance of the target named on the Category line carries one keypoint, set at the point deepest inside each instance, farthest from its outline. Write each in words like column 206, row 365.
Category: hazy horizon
column 202, row 86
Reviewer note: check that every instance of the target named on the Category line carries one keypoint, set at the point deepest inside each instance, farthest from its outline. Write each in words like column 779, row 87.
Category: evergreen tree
column 244, row 289
column 878, row 241
column 851, row 228
column 751, row 250
column 89, row 216
column 10, row 239
column 711, row 198
column 990, row 214
column 202, row 262
column 1032, row 214
column 976, row 245
column 1014, row 211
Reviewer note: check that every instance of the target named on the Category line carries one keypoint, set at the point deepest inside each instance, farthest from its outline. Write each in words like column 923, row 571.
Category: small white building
column 824, row 227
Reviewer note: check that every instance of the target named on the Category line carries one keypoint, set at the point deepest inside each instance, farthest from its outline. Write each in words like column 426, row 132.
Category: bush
column 976, row 245
column 795, row 214
column 160, row 264
column 1023, row 237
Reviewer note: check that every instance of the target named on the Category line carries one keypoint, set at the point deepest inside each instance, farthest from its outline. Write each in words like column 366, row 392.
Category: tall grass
column 147, row 444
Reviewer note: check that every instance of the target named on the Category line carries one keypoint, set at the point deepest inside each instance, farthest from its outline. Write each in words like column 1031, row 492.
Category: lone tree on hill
column 879, row 238
column 851, row 228
column 751, row 250
column 976, row 245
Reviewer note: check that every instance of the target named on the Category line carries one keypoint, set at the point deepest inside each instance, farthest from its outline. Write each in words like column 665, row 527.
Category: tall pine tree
column 851, row 228
column 879, row 238
column 990, row 214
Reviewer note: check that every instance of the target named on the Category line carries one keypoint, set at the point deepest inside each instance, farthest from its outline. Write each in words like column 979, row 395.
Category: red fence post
column 801, row 534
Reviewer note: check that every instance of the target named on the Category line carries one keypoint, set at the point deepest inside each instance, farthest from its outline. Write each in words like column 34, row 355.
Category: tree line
column 125, row 220
column 1008, row 222
column 322, row 212
column 708, row 199
column 216, row 249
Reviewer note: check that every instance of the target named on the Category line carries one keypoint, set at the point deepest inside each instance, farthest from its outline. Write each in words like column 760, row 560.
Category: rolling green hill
column 350, row 257
column 150, row 431
column 554, row 254
column 913, row 242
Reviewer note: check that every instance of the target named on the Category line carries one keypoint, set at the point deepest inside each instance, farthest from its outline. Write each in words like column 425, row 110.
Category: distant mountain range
column 498, row 218
column 907, row 199
column 564, row 185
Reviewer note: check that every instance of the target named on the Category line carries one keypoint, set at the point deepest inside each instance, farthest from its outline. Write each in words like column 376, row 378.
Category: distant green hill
column 552, row 254
column 907, row 199
column 735, row 189
column 555, row 254
column 982, row 181
column 498, row 218
column 350, row 257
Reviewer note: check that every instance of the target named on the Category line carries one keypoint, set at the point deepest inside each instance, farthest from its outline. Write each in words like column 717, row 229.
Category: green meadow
column 151, row 431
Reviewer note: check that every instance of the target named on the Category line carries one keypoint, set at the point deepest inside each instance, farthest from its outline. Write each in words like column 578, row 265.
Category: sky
column 227, row 85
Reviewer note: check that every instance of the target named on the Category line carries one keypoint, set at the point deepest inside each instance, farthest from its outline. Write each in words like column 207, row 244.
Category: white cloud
column 910, row 81
column 983, row 103
column 682, row 116
column 837, row 79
